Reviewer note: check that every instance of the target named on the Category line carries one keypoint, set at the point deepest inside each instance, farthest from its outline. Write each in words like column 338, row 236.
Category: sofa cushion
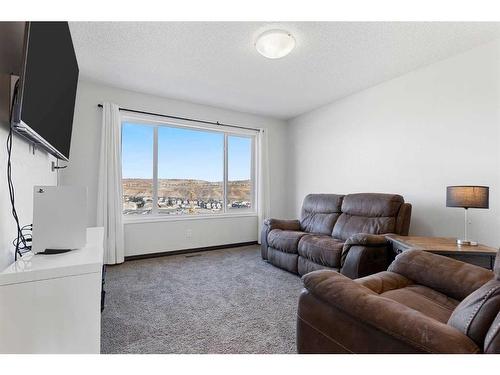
column 418, row 297
column 367, row 213
column 429, row 302
column 320, row 212
column 321, row 249
column 285, row 240
column 475, row 314
column 446, row 275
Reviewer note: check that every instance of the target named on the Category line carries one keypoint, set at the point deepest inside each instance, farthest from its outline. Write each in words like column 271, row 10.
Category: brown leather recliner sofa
column 424, row 303
column 337, row 232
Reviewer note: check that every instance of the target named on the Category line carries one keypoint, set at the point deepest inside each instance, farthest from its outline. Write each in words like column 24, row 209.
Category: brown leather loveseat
column 337, row 232
column 424, row 303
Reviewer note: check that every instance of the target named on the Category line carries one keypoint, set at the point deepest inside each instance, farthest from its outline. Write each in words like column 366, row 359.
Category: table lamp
column 467, row 197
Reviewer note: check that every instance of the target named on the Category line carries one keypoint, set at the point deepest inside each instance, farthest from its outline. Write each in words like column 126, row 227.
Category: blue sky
column 183, row 153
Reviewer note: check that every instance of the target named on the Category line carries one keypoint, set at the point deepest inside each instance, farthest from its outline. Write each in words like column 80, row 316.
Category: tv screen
column 48, row 86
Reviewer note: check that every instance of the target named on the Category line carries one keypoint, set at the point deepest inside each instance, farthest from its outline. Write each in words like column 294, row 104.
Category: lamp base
column 466, row 243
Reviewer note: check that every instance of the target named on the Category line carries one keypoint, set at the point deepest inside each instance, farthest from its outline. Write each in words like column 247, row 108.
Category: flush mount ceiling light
column 275, row 44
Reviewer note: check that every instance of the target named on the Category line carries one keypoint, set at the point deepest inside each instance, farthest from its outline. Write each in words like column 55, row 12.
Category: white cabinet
column 51, row 303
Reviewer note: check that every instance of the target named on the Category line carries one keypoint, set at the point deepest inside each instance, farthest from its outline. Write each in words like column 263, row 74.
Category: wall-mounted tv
column 45, row 103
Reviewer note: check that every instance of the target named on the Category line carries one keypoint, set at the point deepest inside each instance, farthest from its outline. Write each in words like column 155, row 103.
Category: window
column 190, row 171
column 137, row 168
column 178, row 170
column 239, row 174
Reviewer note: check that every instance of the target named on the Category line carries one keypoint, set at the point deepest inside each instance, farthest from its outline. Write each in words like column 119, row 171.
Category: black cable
column 26, row 235
column 21, row 240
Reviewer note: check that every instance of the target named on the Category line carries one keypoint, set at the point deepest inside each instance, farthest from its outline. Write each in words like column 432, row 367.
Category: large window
column 137, row 168
column 239, row 174
column 177, row 170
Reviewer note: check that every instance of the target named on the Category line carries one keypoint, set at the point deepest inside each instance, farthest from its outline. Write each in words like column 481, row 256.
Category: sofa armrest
column 366, row 239
column 364, row 254
column 446, row 275
column 269, row 225
column 373, row 319
column 282, row 224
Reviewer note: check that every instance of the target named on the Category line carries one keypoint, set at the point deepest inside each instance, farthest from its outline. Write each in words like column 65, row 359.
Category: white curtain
column 263, row 179
column 109, row 195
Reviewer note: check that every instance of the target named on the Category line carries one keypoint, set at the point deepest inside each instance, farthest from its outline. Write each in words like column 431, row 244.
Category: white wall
column 169, row 235
column 28, row 170
column 413, row 135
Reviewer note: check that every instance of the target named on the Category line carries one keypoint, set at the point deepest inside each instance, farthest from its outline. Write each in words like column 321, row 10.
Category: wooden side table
column 480, row 255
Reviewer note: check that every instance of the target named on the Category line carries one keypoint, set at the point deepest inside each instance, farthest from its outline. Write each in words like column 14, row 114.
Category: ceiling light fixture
column 275, row 44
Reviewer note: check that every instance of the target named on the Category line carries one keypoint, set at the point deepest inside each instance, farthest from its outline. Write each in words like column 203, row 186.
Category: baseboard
column 188, row 251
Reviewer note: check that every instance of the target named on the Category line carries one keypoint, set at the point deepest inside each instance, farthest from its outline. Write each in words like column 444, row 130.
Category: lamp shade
column 468, row 196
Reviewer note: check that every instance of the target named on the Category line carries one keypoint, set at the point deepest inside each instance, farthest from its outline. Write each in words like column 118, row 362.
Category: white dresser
column 51, row 303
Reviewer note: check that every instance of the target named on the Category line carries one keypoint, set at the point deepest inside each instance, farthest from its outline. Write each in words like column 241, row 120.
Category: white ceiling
column 215, row 63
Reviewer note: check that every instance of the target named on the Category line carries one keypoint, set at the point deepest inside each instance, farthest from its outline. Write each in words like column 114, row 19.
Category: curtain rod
column 186, row 119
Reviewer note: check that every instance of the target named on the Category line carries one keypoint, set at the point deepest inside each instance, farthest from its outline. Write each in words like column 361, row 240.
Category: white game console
column 59, row 219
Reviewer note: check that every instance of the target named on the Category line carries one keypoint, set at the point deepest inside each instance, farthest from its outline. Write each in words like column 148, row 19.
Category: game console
column 59, row 219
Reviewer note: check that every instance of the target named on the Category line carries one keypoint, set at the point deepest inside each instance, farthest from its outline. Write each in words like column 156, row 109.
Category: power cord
column 24, row 246
column 22, row 240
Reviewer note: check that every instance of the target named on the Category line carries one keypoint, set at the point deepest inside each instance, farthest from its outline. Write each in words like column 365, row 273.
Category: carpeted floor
column 222, row 301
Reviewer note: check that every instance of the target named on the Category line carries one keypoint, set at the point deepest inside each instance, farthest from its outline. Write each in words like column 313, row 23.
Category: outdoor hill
column 187, row 189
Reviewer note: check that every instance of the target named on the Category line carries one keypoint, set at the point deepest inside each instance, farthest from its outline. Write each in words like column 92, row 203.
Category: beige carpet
column 223, row 301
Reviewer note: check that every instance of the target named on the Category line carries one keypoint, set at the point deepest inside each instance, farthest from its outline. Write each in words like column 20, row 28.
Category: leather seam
column 492, row 335
column 324, row 334
column 494, row 331
column 478, row 307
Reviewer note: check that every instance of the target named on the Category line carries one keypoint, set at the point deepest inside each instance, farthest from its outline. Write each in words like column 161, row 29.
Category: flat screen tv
column 45, row 102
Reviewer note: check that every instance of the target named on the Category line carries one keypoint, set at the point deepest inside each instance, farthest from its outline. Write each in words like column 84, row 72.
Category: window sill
column 129, row 219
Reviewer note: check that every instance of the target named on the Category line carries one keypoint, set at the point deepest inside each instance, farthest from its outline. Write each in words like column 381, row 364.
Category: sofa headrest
column 320, row 212
column 372, row 204
column 496, row 267
column 322, row 203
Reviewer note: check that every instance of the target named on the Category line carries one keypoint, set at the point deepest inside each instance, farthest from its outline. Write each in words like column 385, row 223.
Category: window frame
column 155, row 122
